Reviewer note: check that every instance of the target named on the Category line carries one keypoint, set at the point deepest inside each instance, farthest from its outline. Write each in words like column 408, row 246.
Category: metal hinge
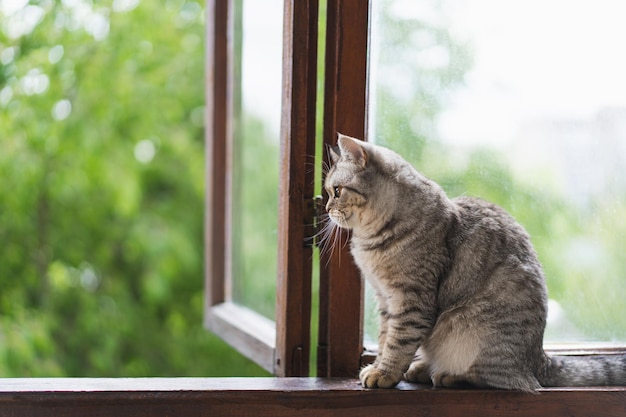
column 314, row 210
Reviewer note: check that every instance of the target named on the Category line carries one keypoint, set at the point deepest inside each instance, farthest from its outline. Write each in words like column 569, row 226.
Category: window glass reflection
column 523, row 104
column 258, row 45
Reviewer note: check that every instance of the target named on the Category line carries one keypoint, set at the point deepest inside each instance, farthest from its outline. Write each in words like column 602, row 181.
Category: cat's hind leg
column 503, row 372
column 419, row 370
column 420, row 373
column 454, row 345
column 447, row 380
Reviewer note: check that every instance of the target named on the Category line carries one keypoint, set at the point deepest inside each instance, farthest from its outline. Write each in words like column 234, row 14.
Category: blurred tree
column 101, row 207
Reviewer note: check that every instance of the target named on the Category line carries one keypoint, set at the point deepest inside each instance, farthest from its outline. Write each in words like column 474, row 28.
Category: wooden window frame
column 281, row 347
column 345, row 110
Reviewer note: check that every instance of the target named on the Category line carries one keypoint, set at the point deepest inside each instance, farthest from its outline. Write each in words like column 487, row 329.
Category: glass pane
column 258, row 44
column 526, row 109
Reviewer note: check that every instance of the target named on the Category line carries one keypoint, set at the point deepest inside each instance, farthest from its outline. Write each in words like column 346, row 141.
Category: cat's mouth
column 339, row 218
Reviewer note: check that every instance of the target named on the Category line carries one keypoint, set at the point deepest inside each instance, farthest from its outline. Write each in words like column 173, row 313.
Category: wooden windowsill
column 285, row 397
column 249, row 332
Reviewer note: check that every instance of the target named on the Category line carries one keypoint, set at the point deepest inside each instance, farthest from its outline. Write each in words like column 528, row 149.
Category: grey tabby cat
column 457, row 280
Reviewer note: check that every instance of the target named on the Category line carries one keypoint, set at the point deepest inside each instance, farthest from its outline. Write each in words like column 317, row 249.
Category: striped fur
column 458, row 279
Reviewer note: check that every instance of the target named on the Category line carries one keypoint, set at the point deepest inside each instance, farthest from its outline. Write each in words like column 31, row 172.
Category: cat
column 460, row 290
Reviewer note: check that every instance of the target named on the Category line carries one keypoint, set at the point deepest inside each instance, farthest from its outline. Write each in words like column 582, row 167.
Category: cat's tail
column 592, row 370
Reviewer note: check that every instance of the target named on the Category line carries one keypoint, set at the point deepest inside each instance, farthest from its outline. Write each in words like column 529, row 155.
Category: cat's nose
column 328, row 206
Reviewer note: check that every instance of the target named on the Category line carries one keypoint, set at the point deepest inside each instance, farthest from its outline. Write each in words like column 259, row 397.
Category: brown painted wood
column 293, row 298
column 341, row 288
column 289, row 355
column 287, row 397
column 217, row 104
column 249, row 332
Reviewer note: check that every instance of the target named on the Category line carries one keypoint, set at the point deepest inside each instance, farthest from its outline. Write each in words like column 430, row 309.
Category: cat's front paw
column 373, row 377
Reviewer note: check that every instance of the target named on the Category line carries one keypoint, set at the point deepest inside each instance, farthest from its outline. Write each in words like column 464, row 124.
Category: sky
column 535, row 59
column 262, row 60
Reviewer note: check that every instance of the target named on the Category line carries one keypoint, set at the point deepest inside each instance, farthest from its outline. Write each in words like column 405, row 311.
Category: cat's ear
column 334, row 153
column 353, row 149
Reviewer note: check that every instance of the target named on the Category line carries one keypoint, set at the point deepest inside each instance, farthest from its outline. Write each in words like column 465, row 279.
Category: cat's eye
column 337, row 191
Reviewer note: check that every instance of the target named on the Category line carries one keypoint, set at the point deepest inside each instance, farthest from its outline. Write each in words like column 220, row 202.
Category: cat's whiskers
column 325, row 167
column 330, row 237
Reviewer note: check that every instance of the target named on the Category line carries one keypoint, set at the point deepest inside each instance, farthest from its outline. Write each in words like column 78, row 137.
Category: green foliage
column 255, row 226
column 101, row 213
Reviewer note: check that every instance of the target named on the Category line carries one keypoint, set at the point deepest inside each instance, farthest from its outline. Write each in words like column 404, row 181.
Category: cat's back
column 485, row 239
column 481, row 222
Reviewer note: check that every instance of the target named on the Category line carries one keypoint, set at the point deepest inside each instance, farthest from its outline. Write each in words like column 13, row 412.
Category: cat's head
column 363, row 184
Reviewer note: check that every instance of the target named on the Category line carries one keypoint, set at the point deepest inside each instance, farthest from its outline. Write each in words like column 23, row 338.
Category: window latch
column 314, row 210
